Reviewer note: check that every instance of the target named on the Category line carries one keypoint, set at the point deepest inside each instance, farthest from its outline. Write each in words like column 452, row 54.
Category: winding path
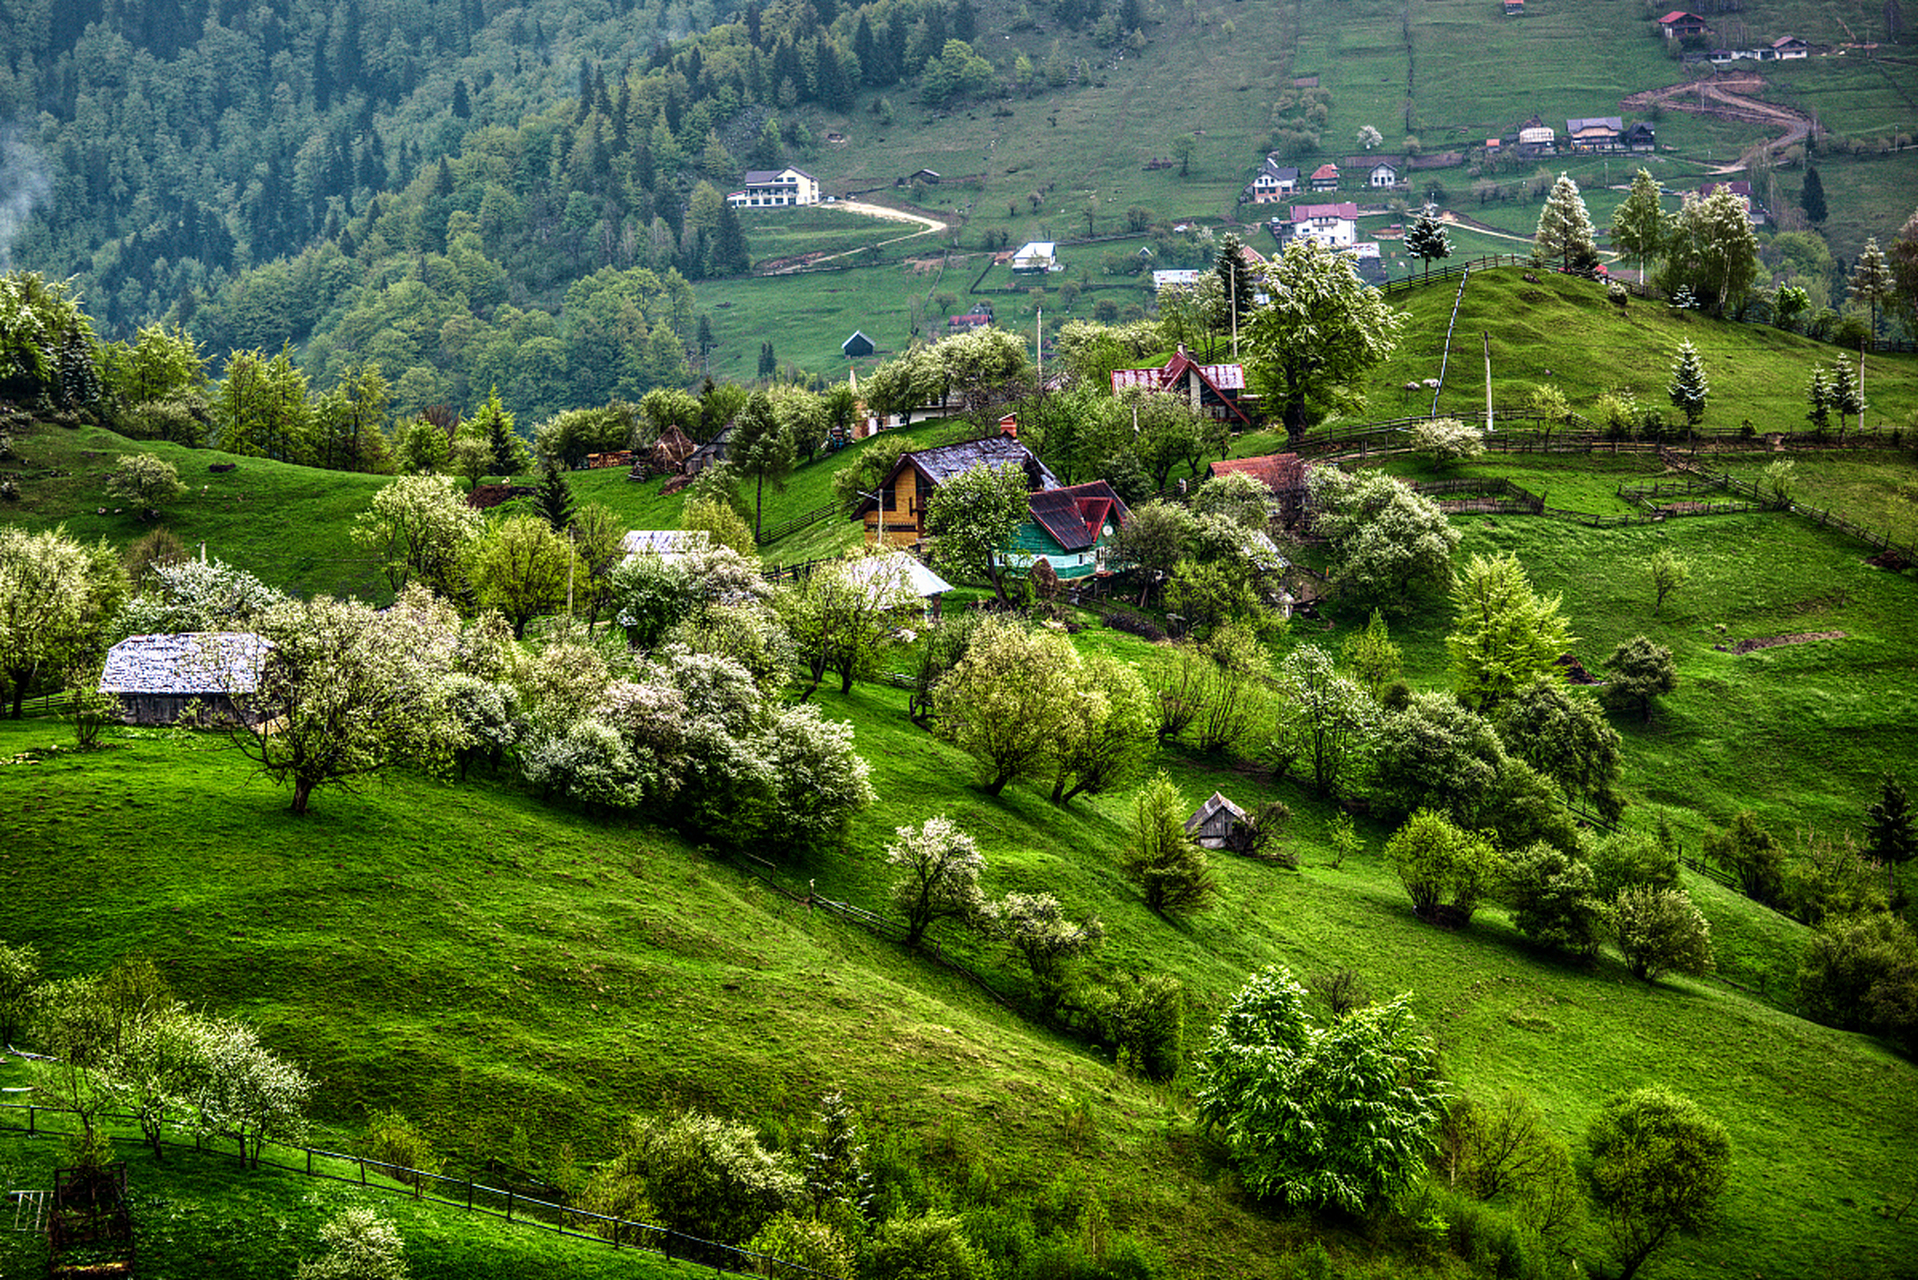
column 927, row 227
column 1725, row 97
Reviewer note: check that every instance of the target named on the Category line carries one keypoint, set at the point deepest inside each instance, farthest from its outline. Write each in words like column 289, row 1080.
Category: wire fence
column 509, row 1204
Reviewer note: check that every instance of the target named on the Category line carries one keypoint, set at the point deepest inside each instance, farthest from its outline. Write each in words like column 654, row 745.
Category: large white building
column 1336, row 226
column 773, row 189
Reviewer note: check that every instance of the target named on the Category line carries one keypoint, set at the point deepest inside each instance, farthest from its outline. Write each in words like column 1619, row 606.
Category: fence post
column 309, row 1162
column 509, row 1204
column 469, row 1193
column 32, row 1115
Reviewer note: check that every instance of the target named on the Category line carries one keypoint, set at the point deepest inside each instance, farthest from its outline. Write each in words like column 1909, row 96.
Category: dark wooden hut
column 1217, row 824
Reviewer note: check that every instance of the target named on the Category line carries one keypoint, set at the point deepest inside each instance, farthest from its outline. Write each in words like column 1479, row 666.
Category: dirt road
column 1725, row 97
column 927, row 227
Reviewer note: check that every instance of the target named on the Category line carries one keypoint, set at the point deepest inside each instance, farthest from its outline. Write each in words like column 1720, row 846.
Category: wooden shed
column 157, row 677
column 1217, row 824
column 857, row 345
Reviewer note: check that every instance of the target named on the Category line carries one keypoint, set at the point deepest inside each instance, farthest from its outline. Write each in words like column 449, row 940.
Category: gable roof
column 1344, row 209
column 1325, row 171
column 858, row 336
column 919, row 579
column 1275, row 471
column 1614, row 123
column 1216, row 378
column 943, row 463
column 1278, row 172
column 668, row 544
column 1211, row 809
column 1787, row 42
column 186, row 662
column 759, row 177
column 675, row 445
column 1076, row 516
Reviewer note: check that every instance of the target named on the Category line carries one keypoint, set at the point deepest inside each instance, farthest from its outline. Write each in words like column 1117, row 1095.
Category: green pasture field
column 196, row 1214
column 491, row 964
column 1563, row 331
column 1876, row 491
column 808, row 315
column 1853, row 95
column 290, row 525
column 781, row 233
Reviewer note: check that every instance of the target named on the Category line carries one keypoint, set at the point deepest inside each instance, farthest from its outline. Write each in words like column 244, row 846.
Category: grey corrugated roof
column 1210, row 808
column 187, row 662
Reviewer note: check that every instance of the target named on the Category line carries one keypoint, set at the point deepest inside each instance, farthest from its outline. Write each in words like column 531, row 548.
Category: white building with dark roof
column 775, row 188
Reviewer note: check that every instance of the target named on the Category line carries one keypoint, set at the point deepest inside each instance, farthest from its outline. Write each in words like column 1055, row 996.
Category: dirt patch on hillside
column 1802, row 637
column 1575, row 672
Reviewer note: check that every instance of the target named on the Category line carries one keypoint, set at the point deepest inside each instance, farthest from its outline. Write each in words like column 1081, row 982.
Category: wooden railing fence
column 507, row 1203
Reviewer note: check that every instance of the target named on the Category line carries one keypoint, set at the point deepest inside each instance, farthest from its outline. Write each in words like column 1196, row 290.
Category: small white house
column 1336, row 226
column 1035, row 256
column 775, row 188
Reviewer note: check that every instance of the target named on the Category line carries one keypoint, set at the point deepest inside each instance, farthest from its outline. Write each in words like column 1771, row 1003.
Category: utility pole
column 1488, row 382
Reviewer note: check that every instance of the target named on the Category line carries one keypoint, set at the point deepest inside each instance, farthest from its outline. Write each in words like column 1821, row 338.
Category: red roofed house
column 1213, row 389
column 1678, row 24
column 1282, row 473
column 1325, row 178
column 1067, row 528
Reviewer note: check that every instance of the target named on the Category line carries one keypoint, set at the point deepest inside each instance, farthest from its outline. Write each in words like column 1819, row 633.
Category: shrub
column 1166, row 863
column 393, row 1139
column 361, row 1245
column 148, row 481
column 1861, row 973
column 1133, row 623
column 1659, row 931
column 1751, row 854
column 1625, row 860
column 802, row 1241
column 1146, row 1021
column 708, row 1177
column 1554, row 899
column 1448, row 440
column 1444, row 869
column 1658, row 1165
column 931, row 1246
column 1832, row 877
column 1338, row 1116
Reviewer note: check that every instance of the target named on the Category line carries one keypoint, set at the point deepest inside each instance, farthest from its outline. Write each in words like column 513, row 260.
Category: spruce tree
column 1565, row 228
column 1688, row 388
column 1812, row 198
column 1818, row 397
column 1427, row 240
column 554, row 502
column 1871, row 280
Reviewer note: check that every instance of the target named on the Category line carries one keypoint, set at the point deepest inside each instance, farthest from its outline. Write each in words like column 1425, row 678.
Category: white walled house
column 775, row 188
column 1336, row 226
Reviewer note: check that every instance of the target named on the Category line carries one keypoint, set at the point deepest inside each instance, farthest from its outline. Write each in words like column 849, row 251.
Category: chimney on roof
column 1009, row 426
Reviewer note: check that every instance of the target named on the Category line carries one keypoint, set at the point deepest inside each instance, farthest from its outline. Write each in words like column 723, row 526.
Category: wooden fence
column 805, row 520
column 508, row 1203
column 1454, row 271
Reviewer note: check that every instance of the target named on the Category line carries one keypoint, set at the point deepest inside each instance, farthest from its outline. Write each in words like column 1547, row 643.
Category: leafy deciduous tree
column 1388, row 543
column 1338, row 1115
column 1505, row 635
column 1641, row 670
column 1658, row 1166
column 939, row 868
column 1660, row 931
column 972, row 518
column 1444, row 869
column 1320, row 332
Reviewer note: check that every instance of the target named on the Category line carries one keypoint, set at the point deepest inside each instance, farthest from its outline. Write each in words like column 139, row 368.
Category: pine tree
column 554, row 502
column 1688, row 388
column 1818, row 396
column 1812, row 198
column 1891, row 836
column 705, row 340
column 462, row 105
column 768, row 363
column 1427, row 240
column 1236, row 290
column 1871, row 280
column 494, row 425
column 1565, row 228
column 729, row 245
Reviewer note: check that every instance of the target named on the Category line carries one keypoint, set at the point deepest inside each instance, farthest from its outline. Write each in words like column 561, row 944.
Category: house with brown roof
column 1784, row 47
column 1282, row 473
column 1068, row 528
column 1212, row 389
column 207, row 675
column 898, row 516
column 1325, row 178
column 1678, row 25
column 1336, row 226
